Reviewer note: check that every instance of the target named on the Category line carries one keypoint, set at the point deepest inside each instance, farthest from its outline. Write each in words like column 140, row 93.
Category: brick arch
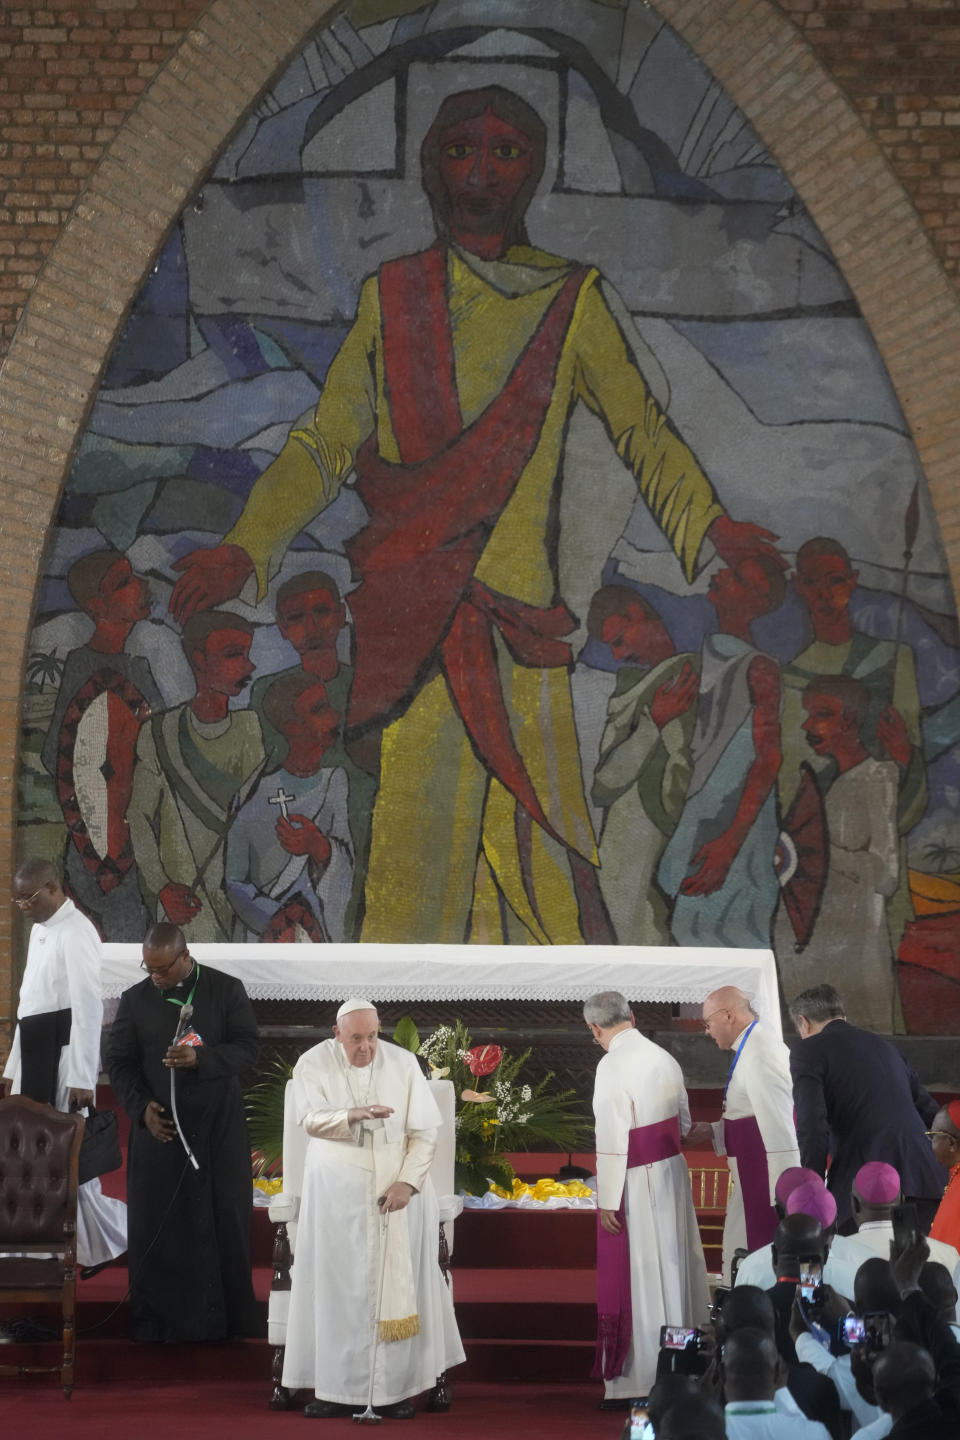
column 164, row 149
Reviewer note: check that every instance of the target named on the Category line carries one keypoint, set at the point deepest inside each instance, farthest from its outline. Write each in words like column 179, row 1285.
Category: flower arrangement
column 508, row 1115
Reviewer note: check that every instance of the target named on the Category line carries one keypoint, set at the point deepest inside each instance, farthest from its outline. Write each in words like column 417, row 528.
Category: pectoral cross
column 282, row 799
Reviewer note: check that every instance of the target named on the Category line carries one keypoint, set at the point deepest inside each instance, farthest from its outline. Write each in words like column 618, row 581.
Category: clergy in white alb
column 875, row 1193
column 372, row 1124
column 55, row 1055
column 650, row 1265
column 756, row 1131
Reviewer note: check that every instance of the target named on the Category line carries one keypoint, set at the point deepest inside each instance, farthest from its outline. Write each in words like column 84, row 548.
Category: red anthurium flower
column 483, row 1059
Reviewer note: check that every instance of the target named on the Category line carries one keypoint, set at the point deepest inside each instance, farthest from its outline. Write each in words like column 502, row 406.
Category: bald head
column 164, row 936
column 692, row 1417
column 798, row 1237
column 937, row 1284
column 750, row 1365
column 945, row 1135
column 669, row 1390
column 37, row 872
column 37, row 890
column 747, row 1307
column 944, row 1121
column 903, row 1377
column 726, row 1012
column 874, row 1287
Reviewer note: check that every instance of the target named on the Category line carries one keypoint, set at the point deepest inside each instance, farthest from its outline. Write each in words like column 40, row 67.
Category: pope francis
column 368, row 1209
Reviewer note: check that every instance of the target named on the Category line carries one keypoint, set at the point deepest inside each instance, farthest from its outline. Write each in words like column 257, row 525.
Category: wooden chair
column 39, row 1155
column 711, row 1185
column 285, row 1210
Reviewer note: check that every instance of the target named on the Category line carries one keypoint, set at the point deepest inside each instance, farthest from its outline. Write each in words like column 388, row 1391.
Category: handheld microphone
column 183, row 1025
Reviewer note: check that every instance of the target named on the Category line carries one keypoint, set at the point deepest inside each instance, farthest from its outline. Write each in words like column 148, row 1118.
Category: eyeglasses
column 161, row 969
column 945, row 1133
column 705, row 1022
column 22, row 904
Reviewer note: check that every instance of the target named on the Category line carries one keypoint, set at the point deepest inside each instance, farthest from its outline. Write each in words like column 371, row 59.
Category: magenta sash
column 744, row 1142
column 646, row 1145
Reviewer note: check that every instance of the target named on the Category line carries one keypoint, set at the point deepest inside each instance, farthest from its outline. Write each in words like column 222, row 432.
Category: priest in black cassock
column 194, row 1283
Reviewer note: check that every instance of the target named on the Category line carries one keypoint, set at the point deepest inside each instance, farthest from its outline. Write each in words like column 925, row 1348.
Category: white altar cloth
column 475, row 972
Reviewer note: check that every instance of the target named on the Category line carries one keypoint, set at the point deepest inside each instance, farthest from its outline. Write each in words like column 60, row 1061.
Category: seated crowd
column 823, row 1335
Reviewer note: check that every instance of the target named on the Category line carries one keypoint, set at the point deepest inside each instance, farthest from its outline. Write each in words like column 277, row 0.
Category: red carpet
column 524, row 1287
column 165, row 1408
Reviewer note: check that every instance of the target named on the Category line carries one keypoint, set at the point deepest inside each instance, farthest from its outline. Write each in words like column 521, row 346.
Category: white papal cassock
column 638, row 1084
column 337, row 1263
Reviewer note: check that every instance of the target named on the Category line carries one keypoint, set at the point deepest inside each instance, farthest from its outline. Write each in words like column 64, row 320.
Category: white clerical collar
column 750, row 1407
column 59, row 914
column 740, row 1036
column 619, row 1038
column 876, row 1225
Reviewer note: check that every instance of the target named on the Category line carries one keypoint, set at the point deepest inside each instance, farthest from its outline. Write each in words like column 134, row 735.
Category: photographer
column 916, row 1380
column 798, row 1246
column 751, row 1372
column 875, row 1294
column 802, row 1392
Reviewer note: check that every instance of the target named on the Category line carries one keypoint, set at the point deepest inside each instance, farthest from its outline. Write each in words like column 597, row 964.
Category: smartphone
column 854, row 1330
column 639, row 1424
column 680, row 1337
column 877, row 1329
column 906, row 1228
column 810, row 1286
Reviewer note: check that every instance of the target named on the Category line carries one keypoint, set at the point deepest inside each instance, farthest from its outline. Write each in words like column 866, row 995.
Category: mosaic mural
column 496, row 524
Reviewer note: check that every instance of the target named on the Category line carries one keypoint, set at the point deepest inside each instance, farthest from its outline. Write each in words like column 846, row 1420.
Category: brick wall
column 899, row 62
column 69, row 73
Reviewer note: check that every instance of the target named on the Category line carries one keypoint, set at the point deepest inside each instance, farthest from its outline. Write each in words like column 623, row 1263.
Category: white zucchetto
column 354, row 1003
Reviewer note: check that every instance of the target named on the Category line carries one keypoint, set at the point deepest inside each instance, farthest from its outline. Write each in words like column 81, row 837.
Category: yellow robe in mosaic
column 444, row 862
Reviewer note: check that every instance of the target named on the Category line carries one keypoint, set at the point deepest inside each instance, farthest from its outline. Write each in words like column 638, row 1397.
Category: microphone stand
column 186, row 1015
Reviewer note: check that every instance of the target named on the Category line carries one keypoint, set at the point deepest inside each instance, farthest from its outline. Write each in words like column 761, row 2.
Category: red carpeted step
column 525, row 1304
column 106, row 1360
column 533, row 1361
column 526, row 1239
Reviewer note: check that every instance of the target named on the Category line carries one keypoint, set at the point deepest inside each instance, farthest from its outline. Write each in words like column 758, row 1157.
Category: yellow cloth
column 444, row 860
column 543, row 1190
column 269, row 1187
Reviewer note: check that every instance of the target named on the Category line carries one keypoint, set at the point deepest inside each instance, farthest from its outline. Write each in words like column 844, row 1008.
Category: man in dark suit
column 857, row 1099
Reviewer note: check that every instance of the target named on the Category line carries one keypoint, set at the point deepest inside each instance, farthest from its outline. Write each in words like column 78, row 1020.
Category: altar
column 666, row 974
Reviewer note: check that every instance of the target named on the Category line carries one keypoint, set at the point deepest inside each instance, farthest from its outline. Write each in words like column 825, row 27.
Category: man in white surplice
column 55, row 1056
column 372, row 1124
column 756, row 1130
column 644, row 1198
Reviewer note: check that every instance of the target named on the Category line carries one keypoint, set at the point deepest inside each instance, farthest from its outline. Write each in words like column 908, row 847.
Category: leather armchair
column 39, row 1154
